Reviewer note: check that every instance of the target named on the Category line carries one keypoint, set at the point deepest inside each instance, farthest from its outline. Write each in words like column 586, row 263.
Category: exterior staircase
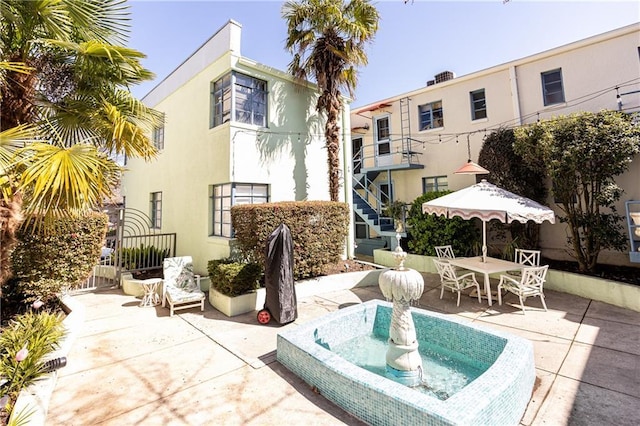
column 382, row 225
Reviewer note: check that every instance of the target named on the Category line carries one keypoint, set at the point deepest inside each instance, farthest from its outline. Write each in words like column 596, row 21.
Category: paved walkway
column 133, row 365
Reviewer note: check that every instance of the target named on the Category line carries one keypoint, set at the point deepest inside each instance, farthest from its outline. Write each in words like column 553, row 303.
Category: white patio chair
column 181, row 287
column 527, row 258
column 449, row 278
column 530, row 284
column 445, row 252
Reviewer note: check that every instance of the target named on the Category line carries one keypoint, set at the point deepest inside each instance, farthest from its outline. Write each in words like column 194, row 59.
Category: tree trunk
column 10, row 219
column 332, row 134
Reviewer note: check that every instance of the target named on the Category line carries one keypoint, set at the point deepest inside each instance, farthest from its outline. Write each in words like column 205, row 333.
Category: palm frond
column 104, row 20
column 99, row 63
column 65, row 181
column 20, row 67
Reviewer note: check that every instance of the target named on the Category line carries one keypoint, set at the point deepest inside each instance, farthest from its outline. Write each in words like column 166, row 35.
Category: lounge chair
column 181, row 287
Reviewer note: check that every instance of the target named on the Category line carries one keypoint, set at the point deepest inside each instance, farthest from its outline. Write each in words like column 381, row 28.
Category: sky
column 415, row 40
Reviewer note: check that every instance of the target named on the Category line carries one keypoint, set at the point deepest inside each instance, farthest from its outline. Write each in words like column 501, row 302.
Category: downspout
column 348, row 179
column 515, row 94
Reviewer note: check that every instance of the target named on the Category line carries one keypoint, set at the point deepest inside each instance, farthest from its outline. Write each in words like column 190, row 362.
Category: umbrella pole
column 484, row 241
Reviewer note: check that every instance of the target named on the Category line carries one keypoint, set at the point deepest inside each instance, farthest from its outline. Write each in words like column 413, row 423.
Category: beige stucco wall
column 288, row 155
column 591, row 70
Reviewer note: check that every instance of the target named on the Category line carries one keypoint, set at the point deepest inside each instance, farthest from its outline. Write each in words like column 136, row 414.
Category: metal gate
column 133, row 247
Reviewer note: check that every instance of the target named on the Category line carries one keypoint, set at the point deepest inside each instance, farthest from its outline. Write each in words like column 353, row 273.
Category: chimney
column 431, row 82
column 444, row 76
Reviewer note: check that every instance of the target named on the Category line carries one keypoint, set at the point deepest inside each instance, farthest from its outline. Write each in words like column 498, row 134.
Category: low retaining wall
column 613, row 292
column 232, row 306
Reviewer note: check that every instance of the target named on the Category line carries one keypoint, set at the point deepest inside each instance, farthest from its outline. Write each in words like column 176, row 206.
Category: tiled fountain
column 492, row 372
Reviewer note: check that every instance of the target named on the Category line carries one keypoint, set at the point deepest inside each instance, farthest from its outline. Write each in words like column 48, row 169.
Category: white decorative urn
column 402, row 285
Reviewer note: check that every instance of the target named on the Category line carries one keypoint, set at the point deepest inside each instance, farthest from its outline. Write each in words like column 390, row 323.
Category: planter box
column 615, row 293
column 133, row 287
column 232, row 306
column 238, row 305
column 35, row 398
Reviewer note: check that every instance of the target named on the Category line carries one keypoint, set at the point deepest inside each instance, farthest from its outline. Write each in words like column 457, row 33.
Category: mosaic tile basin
column 499, row 396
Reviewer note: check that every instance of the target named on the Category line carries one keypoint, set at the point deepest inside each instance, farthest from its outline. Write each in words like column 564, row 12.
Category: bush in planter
column 25, row 342
column 142, row 257
column 233, row 278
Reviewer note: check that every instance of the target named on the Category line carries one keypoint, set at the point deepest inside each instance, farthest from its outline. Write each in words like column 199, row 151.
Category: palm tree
column 327, row 39
column 67, row 79
column 66, row 111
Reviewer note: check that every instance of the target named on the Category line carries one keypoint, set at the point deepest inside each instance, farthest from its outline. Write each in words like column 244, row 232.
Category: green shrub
column 66, row 253
column 38, row 333
column 318, row 228
column 142, row 257
column 44, row 289
column 234, row 278
column 427, row 230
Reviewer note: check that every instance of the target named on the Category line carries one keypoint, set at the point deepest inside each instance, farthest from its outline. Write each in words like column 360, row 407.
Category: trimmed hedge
column 66, row 253
column 318, row 230
column 234, row 278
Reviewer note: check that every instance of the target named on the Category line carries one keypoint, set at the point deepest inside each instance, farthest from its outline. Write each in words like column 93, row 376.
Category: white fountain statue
column 402, row 285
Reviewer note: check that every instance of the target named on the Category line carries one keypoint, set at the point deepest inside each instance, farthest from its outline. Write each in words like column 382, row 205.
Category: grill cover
column 280, row 298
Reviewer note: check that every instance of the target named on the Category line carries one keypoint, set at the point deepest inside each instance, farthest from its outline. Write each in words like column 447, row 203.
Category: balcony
column 393, row 154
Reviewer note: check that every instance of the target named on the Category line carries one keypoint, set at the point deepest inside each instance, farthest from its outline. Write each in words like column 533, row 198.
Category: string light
column 446, row 137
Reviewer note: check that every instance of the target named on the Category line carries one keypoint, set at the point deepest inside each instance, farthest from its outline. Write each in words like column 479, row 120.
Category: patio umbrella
column 487, row 201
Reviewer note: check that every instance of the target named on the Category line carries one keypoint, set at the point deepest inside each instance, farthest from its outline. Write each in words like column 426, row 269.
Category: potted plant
column 395, row 210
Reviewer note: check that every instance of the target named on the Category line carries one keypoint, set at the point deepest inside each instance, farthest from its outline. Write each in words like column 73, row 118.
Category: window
column 222, row 197
column 383, row 135
column 431, row 115
column 240, row 98
column 158, row 135
column 434, row 183
column 385, row 193
column 356, row 144
column 361, row 228
column 552, row 91
column 478, row 105
column 155, row 209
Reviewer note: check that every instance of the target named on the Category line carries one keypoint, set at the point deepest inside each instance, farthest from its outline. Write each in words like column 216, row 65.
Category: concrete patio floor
column 132, row 365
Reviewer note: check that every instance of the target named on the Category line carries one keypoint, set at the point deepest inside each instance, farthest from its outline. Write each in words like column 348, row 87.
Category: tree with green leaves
column 511, row 172
column 328, row 39
column 72, row 99
column 66, row 110
column 582, row 154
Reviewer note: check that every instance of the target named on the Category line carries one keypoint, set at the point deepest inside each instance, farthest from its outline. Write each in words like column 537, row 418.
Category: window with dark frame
column 431, row 116
column 478, row 104
column 240, row 98
column 361, row 227
column 223, row 197
column 356, row 144
column 383, row 135
column 434, row 184
column 552, row 89
column 385, row 193
column 155, row 209
column 158, row 134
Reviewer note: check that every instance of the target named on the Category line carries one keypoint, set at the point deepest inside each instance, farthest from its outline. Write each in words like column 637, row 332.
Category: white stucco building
column 412, row 143
column 235, row 132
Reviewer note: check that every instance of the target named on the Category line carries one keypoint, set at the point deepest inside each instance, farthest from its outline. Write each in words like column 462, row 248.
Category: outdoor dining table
column 491, row 265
